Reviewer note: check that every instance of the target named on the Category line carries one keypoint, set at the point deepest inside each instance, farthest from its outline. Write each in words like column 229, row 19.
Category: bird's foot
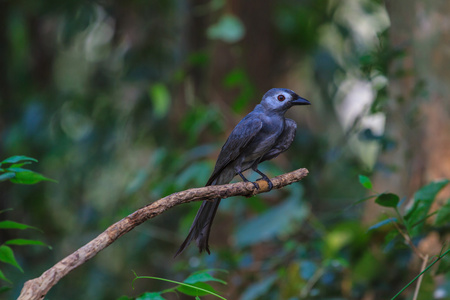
column 269, row 182
column 264, row 177
column 254, row 183
column 246, row 180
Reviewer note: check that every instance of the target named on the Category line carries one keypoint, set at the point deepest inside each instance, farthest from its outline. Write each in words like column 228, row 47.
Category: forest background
column 124, row 102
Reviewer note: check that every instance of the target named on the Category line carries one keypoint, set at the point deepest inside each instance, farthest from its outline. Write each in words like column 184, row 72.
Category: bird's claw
column 269, row 182
column 264, row 177
column 246, row 180
column 255, row 185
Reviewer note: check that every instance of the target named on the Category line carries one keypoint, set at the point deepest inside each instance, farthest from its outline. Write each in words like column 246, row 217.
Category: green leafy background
column 108, row 106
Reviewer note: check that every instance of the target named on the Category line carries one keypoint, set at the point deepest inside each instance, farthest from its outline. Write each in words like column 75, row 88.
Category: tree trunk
column 418, row 110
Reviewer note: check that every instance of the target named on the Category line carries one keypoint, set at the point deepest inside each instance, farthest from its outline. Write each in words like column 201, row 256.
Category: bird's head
column 281, row 100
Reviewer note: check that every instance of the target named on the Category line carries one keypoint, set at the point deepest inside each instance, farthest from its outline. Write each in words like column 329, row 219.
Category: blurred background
column 124, row 102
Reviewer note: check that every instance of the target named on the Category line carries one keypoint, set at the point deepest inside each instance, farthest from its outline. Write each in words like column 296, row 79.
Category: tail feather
column 201, row 226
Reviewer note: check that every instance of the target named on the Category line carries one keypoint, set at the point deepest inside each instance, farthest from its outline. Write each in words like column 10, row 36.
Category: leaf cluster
column 12, row 169
column 194, row 285
column 7, row 253
column 415, row 223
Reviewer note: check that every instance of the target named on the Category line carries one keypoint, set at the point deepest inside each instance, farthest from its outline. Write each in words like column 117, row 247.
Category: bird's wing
column 284, row 141
column 239, row 138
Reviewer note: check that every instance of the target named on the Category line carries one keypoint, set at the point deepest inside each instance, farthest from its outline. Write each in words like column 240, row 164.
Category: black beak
column 300, row 101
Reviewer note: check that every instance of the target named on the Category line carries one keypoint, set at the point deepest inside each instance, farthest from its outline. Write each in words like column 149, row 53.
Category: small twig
column 408, row 240
column 37, row 288
column 311, row 282
column 415, row 278
column 419, row 281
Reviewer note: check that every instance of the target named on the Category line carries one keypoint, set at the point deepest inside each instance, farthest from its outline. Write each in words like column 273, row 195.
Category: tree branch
column 37, row 288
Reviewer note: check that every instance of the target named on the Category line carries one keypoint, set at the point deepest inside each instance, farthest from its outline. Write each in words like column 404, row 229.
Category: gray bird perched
column 261, row 135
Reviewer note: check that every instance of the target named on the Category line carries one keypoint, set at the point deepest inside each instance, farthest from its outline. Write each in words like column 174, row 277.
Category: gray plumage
column 261, row 135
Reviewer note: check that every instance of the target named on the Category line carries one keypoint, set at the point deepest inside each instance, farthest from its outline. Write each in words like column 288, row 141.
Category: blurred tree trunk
column 6, row 105
column 399, row 125
column 432, row 59
column 418, row 112
column 4, row 55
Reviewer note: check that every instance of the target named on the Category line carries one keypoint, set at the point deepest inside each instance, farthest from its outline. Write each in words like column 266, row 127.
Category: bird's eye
column 281, row 98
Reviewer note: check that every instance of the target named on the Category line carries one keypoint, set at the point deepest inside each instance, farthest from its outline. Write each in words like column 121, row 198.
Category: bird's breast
column 272, row 127
column 265, row 139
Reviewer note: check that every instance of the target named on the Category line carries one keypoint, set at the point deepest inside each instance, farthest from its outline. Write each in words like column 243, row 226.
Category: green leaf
column 444, row 265
column 199, row 58
column 344, row 234
column 382, row 223
column 7, row 176
column 228, row 29
column 7, row 256
column 18, row 158
column 20, row 164
column 150, row 296
column 29, row 177
column 259, row 289
column 14, row 225
column 422, row 201
column 362, row 200
column 198, row 119
column 366, row 268
column 443, row 215
column 235, row 78
column 24, row 242
column 238, row 79
column 365, row 181
column 391, row 236
column 387, row 200
column 17, row 169
column 195, row 286
column 420, row 274
column 5, row 210
column 282, row 219
column 160, row 97
column 3, row 277
column 192, row 291
column 430, row 190
column 195, row 174
column 202, row 277
column 4, row 289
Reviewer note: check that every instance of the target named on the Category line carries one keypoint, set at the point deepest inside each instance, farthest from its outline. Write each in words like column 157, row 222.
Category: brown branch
column 408, row 240
column 37, row 288
column 419, row 281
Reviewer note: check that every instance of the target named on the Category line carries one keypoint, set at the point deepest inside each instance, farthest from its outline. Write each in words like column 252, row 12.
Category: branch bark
column 37, row 288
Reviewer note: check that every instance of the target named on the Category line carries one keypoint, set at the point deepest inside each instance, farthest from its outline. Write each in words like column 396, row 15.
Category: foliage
column 438, row 258
column 414, row 224
column 11, row 169
column 194, row 285
column 125, row 102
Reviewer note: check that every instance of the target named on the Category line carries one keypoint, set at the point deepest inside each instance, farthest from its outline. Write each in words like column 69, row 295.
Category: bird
column 261, row 135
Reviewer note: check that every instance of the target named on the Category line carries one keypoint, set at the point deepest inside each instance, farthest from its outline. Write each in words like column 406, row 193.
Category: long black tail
column 201, row 226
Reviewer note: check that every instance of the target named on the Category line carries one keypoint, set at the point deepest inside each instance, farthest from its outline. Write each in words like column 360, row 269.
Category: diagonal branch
column 37, row 288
